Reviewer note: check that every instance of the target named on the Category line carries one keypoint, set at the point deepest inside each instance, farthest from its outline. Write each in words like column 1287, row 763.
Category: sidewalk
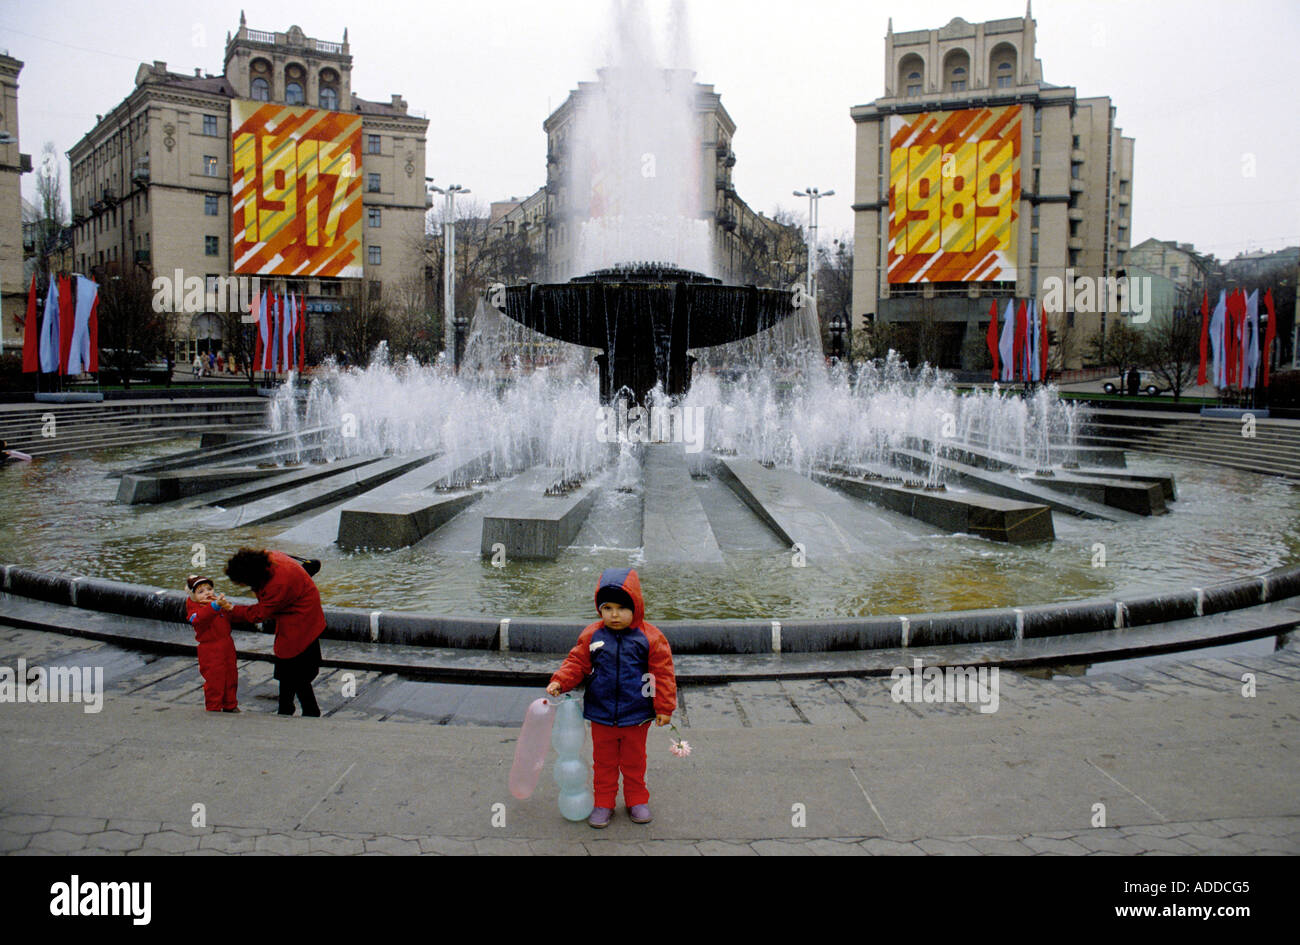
column 1182, row 761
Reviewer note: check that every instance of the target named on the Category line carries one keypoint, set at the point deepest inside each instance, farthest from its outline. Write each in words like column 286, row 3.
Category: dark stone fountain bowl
column 643, row 317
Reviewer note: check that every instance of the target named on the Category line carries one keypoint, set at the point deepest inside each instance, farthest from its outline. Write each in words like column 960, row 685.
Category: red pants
column 619, row 749
column 220, row 674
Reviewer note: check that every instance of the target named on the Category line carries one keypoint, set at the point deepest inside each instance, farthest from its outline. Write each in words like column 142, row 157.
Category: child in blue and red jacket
column 629, row 668
column 216, row 648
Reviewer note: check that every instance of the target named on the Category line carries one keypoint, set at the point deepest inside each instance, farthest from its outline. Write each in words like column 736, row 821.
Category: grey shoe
column 600, row 817
column 640, row 813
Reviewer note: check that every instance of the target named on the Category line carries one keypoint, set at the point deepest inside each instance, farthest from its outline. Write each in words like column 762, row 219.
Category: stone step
column 1141, row 498
column 529, row 524
column 991, row 517
column 314, row 495
column 674, row 526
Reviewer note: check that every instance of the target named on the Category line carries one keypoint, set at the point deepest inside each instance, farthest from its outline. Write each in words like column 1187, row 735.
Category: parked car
column 1153, row 388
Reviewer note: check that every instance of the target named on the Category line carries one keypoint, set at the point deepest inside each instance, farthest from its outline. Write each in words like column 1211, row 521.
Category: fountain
column 837, row 496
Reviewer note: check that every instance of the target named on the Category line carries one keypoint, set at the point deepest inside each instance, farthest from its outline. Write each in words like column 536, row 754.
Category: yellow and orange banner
column 954, row 195
column 295, row 191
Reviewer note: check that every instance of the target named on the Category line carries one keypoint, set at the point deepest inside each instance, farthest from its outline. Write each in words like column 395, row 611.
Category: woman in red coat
column 287, row 595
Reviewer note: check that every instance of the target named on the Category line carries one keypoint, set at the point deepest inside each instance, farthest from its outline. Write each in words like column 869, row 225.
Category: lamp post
column 453, row 329
column 813, row 195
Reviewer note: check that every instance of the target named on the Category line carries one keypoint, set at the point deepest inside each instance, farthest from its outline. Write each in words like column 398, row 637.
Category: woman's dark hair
column 249, row 566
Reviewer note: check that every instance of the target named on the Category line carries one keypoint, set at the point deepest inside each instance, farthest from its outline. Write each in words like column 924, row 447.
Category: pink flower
column 680, row 748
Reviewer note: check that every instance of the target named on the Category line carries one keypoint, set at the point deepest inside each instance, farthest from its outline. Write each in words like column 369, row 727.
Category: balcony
column 1076, row 186
column 142, row 257
column 1077, row 156
column 1124, row 200
column 141, row 174
column 1075, row 242
column 1074, row 213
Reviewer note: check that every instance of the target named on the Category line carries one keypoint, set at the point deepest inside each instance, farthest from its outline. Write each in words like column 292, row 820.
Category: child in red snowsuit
column 629, row 667
column 216, row 648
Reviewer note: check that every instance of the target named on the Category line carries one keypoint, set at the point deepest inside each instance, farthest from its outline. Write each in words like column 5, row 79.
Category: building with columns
column 13, row 164
column 151, row 182
column 976, row 180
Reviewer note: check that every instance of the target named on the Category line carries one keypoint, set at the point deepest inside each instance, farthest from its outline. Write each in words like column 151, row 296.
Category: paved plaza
column 1182, row 761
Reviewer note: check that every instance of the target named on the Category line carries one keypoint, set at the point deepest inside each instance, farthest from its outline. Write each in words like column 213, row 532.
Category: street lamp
column 453, row 329
column 813, row 195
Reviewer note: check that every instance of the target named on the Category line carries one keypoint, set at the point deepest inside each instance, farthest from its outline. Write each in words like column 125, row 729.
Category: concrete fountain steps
column 267, row 446
column 281, row 480
column 1140, row 498
column 675, row 528
column 304, row 498
column 1127, row 491
column 529, row 524
column 1274, row 449
column 85, row 427
column 980, row 454
column 183, row 483
column 396, row 513
column 1009, row 486
column 802, row 512
column 992, row 517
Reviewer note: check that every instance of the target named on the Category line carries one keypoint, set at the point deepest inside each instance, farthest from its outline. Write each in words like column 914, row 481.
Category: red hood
column 627, row 580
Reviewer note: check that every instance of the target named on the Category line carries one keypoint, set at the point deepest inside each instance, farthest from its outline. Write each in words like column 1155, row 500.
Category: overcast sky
column 1208, row 89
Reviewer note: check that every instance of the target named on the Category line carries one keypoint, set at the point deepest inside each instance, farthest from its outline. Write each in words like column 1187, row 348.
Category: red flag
column 1270, row 332
column 1020, row 369
column 991, row 338
column 31, row 334
column 65, row 322
column 301, row 331
column 1230, row 340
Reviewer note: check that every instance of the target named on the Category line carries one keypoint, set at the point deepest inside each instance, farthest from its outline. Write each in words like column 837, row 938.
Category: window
column 329, row 99
column 959, row 79
column 1074, row 227
column 913, row 83
column 210, row 204
column 1038, row 120
column 1074, row 170
column 375, row 218
column 1173, row 272
column 376, row 287
column 1074, row 142
column 1004, row 75
column 293, row 94
column 372, row 183
column 210, row 283
column 209, row 165
column 211, row 246
column 1004, row 81
column 375, row 255
column 372, row 144
column 209, row 124
column 261, row 90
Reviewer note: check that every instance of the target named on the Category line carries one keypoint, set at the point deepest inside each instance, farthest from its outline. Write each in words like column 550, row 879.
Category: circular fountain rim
column 754, row 636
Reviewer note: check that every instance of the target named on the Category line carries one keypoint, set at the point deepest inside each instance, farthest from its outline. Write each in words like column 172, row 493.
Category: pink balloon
column 530, row 751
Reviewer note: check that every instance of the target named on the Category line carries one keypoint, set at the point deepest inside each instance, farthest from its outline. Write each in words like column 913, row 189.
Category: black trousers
column 296, row 675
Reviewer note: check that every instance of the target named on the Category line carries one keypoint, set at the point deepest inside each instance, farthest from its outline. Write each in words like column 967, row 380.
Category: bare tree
column 1122, row 347
column 1172, row 349
column 130, row 331
column 411, row 322
column 835, row 290
column 361, row 322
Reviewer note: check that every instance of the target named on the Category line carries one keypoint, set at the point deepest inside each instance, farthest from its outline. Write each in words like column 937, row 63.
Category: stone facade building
column 1069, row 211
column 151, row 182
column 13, row 164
